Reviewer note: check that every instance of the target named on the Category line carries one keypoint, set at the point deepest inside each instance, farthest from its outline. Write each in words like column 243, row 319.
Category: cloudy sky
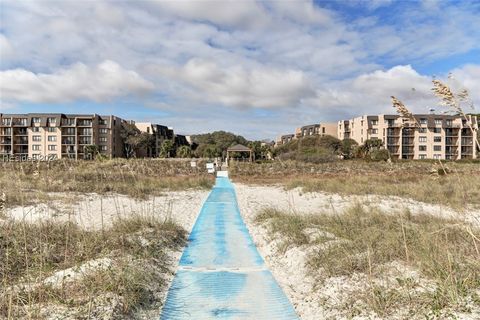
column 257, row 68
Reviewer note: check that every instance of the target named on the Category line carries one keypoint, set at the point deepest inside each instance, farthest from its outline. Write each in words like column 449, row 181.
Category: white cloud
column 370, row 93
column 105, row 81
column 6, row 49
column 229, row 13
column 240, row 87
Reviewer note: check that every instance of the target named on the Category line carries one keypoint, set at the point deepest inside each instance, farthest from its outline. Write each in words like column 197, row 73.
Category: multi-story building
column 430, row 136
column 284, row 139
column 317, row 129
column 54, row 136
column 159, row 132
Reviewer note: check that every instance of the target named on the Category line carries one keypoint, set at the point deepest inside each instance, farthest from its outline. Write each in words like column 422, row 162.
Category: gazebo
column 241, row 149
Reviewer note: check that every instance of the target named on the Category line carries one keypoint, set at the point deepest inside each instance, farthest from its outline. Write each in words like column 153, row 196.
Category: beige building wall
column 429, row 137
column 328, row 129
column 50, row 136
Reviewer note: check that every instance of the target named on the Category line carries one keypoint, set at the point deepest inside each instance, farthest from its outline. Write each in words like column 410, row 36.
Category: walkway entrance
column 221, row 274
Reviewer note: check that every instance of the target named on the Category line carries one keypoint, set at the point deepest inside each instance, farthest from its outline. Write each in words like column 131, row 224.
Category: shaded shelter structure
column 241, row 149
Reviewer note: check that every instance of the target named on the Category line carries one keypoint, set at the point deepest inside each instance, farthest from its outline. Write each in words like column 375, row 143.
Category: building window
column 374, row 131
column 85, row 122
column 448, row 123
column 422, row 156
column 35, row 129
column 422, row 130
column 36, row 120
column 438, row 122
column 103, row 139
column 36, row 147
column 102, row 122
column 103, row 148
column 69, row 131
column 52, row 129
column 422, row 148
column 6, row 122
column 437, row 148
column 437, row 156
column 374, row 122
column 437, row 139
column 52, row 147
column 36, row 138
column 422, row 139
column 423, row 120
column 437, row 130
column 52, row 120
column 52, row 138
column 103, row 131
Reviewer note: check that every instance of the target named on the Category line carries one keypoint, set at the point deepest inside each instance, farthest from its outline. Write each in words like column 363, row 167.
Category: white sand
column 94, row 211
column 289, row 268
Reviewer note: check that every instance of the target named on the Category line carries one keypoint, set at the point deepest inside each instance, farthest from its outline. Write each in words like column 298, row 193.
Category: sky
column 255, row 68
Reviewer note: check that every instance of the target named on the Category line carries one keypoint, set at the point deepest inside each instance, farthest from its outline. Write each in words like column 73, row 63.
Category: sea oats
column 403, row 110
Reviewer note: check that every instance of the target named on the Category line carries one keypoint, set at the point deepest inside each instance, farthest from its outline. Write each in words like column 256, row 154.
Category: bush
column 379, row 155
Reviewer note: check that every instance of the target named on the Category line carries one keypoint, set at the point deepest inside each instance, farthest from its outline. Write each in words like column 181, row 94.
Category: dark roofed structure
column 240, row 148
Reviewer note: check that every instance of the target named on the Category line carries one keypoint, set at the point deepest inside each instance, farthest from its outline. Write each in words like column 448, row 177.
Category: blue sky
column 257, row 68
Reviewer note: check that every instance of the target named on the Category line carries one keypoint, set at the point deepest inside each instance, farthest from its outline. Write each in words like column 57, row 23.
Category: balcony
column 68, row 122
column 21, row 140
column 5, row 141
column 6, row 123
column 85, row 141
column 84, row 123
column 19, row 122
column 85, row 132
column 69, row 140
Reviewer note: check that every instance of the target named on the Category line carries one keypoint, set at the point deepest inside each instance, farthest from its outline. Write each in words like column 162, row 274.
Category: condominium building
column 286, row 138
column 321, row 129
column 55, row 135
column 430, row 136
column 160, row 134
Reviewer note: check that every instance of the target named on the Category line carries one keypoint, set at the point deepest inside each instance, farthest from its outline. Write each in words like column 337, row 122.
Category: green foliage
column 215, row 144
column 184, row 152
column 313, row 149
column 167, row 149
column 371, row 149
column 135, row 140
column 379, row 155
column 91, row 151
column 348, row 147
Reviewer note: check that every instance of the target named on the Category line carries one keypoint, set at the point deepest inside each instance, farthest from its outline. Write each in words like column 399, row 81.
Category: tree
column 348, row 147
column 167, row 149
column 220, row 141
column 128, row 131
column 91, row 151
column 184, row 152
column 134, row 140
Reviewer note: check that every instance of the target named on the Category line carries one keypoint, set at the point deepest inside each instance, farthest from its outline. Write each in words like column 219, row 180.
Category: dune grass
column 425, row 181
column 365, row 241
column 29, row 253
column 27, row 182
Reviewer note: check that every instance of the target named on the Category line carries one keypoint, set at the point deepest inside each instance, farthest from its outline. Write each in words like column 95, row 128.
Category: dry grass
column 421, row 181
column 366, row 241
column 28, row 182
column 137, row 248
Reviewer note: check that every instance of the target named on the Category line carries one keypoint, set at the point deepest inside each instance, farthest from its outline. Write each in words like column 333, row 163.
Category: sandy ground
column 94, row 211
column 289, row 268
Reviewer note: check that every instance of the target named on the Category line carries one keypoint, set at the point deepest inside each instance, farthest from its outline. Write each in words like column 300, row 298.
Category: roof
column 239, row 148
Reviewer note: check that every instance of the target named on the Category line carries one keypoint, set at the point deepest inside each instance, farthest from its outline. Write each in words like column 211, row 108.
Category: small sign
column 211, row 170
column 193, row 164
column 210, row 166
